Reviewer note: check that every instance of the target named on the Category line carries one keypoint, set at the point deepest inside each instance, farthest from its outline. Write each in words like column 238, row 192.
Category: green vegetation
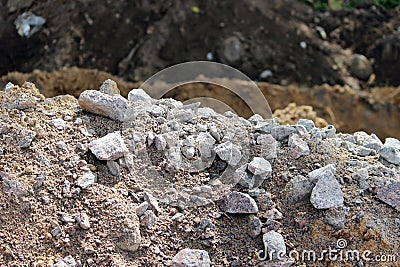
column 348, row 4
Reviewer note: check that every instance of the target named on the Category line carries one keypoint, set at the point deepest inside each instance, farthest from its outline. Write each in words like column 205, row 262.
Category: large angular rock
column 191, row 258
column 229, row 153
column 139, row 95
column 111, row 106
column 274, row 244
column 109, row 147
column 109, row 87
column 391, row 150
column 327, row 192
column 316, row 174
column 298, row 147
column 390, row 194
column 260, row 166
column 239, row 203
column 298, row 189
column 268, row 146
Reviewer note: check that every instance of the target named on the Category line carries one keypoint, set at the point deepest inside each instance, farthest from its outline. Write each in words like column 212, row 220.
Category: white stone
column 109, row 147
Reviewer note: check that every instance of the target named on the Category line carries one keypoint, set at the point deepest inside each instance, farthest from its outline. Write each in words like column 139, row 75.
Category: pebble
column 57, row 123
column 156, row 111
column 255, row 119
column 109, row 87
column 111, row 106
column 298, row 189
column 274, row 244
column 86, row 180
column 391, row 150
column 191, row 258
column 298, row 147
column 68, row 261
column 83, row 220
column 361, row 176
column 205, row 224
column 178, row 217
column 23, row 101
column 139, row 95
column 142, row 208
column 239, row 203
column 390, row 194
column 160, row 142
column 8, row 87
column 327, row 192
column 329, row 131
column 114, row 168
column 260, row 166
column 27, row 138
column 109, row 147
column 308, row 124
column 254, row 228
column 130, row 236
column 360, row 67
column 229, row 152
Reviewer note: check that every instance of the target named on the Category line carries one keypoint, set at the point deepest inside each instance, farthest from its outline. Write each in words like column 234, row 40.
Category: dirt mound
column 280, row 42
column 349, row 110
column 78, row 188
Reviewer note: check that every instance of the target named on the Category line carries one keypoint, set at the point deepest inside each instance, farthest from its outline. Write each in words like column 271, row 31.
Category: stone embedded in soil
column 114, row 168
column 86, row 179
column 316, row 174
column 298, row 147
column 336, row 217
column 191, row 258
column 109, row 147
column 327, row 192
column 274, row 245
column 26, row 139
column 390, row 194
column 109, row 87
column 205, row 144
column 205, row 224
column 142, row 208
column 139, row 95
column 148, row 219
column 360, row 67
column 160, row 142
column 239, row 203
column 83, row 220
column 281, row 133
column 364, row 151
column 68, row 261
column 260, row 166
column 153, row 203
column 129, row 236
column 111, row 106
column 298, row 189
column 57, row 123
column 229, row 152
column 391, row 150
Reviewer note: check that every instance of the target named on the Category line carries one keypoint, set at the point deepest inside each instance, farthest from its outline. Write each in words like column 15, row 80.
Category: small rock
column 109, row 147
column 148, row 219
column 255, row 119
column 244, row 177
column 232, row 50
column 114, row 168
column 178, row 217
column 327, row 192
column 268, row 146
column 298, row 189
column 260, row 166
column 298, row 147
column 363, row 151
column 152, row 202
column 57, row 123
column 391, row 150
column 274, row 244
column 109, row 87
column 390, row 194
column 205, row 144
column 129, row 236
column 281, row 133
column 111, row 106
column 139, row 95
column 27, row 138
column 157, row 111
column 308, row 124
column 9, row 86
column 205, row 224
column 361, row 177
column 254, row 226
column 336, row 217
column 360, row 67
column 329, row 131
column 83, row 220
column 160, row 142
column 68, row 261
column 142, row 208
column 86, row 180
column 239, row 203
column 191, row 258
column 229, row 152
column 316, row 174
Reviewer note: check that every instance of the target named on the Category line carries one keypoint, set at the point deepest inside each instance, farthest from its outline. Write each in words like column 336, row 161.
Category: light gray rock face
column 327, row 192
column 268, row 146
column 274, row 245
column 261, row 167
column 109, row 87
column 109, row 147
column 368, row 141
column 83, row 220
column 299, row 189
column 316, row 174
column 86, row 180
column 391, row 150
column 68, row 261
column 229, row 152
column 281, row 133
column 139, row 95
column 239, row 203
column 191, row 258
column 298, row 147
column 114, row 168
column 205, row 145
column 308, row 124
column 26, row 138
column 111, row 106
column 244, row 177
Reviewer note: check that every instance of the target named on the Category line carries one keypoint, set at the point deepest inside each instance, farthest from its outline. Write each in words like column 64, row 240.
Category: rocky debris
column 114, row 168
column 86, row 179
column 109, row 87
column 83, row 220
column 206, row 145
column 111, row 106
column 299, row 189
column 109, row 147
column 360, row 67
column 327, row 192
column 361, row 176
column 148, row 219
column 251, row 175
column 281, row 133
column 298, row 147
column 142, row 208
column 368, row 141
column 10, row 186
column 57, row 123
column 239, row 203
column 191, row 258
column 274, row 245
column 139, row 95
column 68, row 261
column 178, row 217
column 153, row 203
column 390, row 194
column 391, row 150
column 229, row 152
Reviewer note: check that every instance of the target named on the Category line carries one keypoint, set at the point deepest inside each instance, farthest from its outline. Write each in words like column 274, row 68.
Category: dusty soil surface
column 134, row 40
column 349, row 110
column 50, row 207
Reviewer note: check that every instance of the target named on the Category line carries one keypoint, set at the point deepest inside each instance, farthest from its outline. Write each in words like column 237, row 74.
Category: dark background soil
column 135, row 39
